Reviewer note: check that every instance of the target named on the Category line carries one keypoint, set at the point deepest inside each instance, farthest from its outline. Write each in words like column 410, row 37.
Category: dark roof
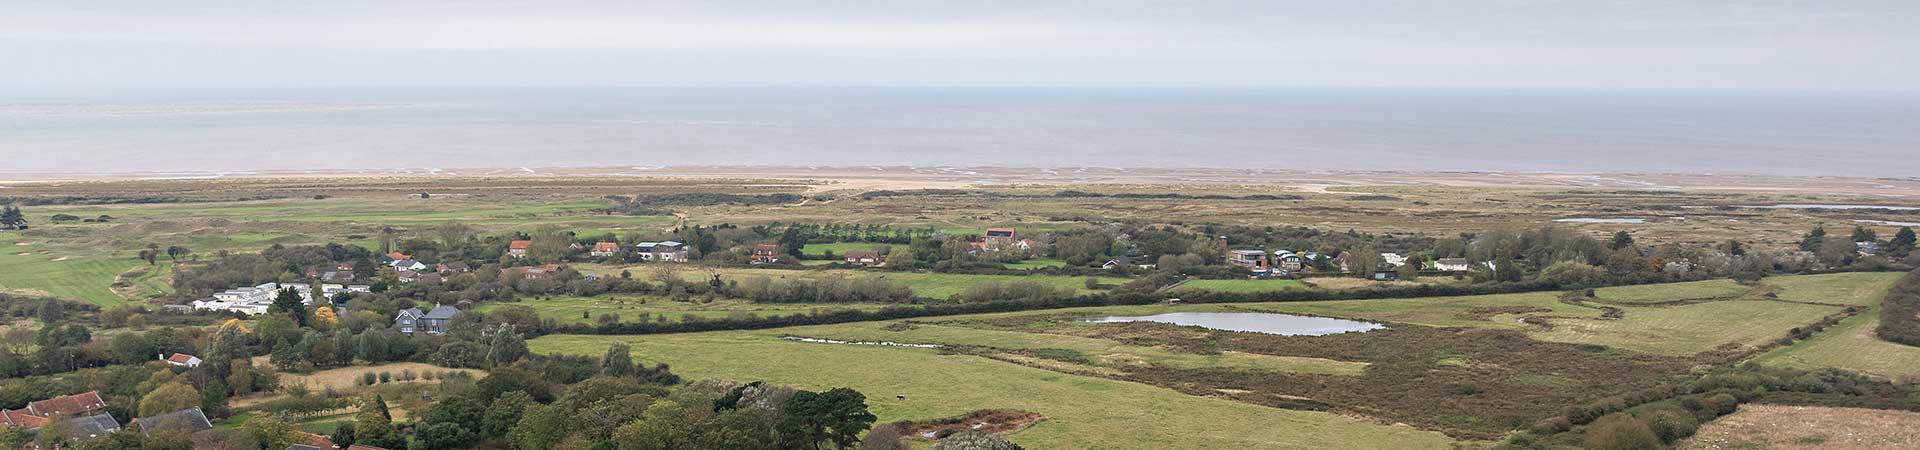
column 457, row 265
column 192, row 418
column 442, row 312
column 415, row 312
column 303, row 447
column 93, row 426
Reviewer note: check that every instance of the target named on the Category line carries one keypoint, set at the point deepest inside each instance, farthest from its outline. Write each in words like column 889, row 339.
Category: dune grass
column 1081, row 411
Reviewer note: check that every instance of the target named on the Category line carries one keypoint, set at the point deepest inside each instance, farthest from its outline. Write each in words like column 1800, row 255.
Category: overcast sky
column 1810, row 44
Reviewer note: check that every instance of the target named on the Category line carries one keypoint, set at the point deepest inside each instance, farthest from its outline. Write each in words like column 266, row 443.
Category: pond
column 1271, row 323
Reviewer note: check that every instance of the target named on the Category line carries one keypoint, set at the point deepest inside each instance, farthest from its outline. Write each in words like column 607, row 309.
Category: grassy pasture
column 635, row 308
column 1248, row 285
column 1038, row 263
column 1852, row 288
column 1689, row 329
column 925, row 284
column 1850, row 345
column 1808, row 428
column 1082, row 411
column 841, row 248
column 1671, row 292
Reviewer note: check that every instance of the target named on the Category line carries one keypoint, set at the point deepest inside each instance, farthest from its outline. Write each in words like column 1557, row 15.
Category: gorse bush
column 1900, row 312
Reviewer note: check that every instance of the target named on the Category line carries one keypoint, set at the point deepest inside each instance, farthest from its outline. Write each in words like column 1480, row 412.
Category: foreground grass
column 1808, row 427
column 1082, row 412
column 637, row 308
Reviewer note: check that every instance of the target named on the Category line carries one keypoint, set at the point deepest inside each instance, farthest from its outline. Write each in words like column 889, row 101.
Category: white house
column 1393, row 259
column 1452, row 265
column 408, row 265
column 181, row 360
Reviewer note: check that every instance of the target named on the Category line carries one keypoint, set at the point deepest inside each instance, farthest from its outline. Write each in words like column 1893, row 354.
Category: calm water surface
column 1271, row 323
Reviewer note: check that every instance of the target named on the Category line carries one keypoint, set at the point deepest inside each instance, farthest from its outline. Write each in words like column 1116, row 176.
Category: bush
column 1672, row 424
column 368, row 379
column 1551, row 425
column 1621, row 432
column 386, row 377
column 1900, row 312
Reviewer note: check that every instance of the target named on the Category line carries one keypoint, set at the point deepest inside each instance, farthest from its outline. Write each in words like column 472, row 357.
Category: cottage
column 396, row 256
column 450, row 268
column 68, row 405
column 1255, row 260
column 408, row 264
column 191, row 420
column 1452, row 265
column 605, row 249
column 412, row 320
column 93, row 426
column 535, row 272
column 182, row 360
column 864, row 258
column 1393, row 259
column 670, row 251
column 1000, row 233
column 766, row 254
column 518, row 249
column 1288, row 261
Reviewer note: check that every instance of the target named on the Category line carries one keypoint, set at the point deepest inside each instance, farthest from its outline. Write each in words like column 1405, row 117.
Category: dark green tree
column 1902, row 243
column 1863, row 234
column 837, row 416
column 1811, row 242
column 1734, row 248
column 288, row 302
column 1621, row 240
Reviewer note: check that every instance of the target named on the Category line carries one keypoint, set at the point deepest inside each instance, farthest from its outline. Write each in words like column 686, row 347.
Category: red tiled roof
column 315, row 440
column 180, row 358
column 606, row 247
column 397, row 256
column 20, row 418
column 71, row 405
column 519, row 245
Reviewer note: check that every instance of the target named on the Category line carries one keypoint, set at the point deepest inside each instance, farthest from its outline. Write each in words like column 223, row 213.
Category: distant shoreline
column 933, row 177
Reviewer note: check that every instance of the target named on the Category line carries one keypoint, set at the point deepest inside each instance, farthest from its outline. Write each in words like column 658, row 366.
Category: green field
column 1851, row 345
column 635, row 308
column 841, row 248
column 1852, row 288
column 1082, row 412
column 1671, row 292
column 1248, row 285
column 1038, row 263
column 925, row 284
column 1103, row 352
column 1689, row 329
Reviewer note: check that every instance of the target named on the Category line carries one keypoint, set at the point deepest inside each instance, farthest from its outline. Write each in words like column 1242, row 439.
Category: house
column 1386, row 275
column 421, row 277
column 182, row 360
column 449, row 268
column 1868, row 248
column 1452, row 265
column 408, row 264
column 93, row 426
column 1255, row 260
column 670, row 251
column 396, row 256
column 68, row 405
column 359, row 288
column 412, row 320
column 1112, row 263
column 21, row 419
column 766, row 254
column 605, row 249
column 864, row 257
column 336, row 276
column 190, row 419
column 1288, row 261
column 1000, row 233
column 518, row 249
column 1393, row 259
column 309, row 441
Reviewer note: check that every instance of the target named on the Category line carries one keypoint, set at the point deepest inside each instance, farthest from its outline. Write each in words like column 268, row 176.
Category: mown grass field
column 1853, row 288
column 1851, row 345
column 1808, row 428
column 1248, row 285
column 1689, row 329
column 1082, row 412
column 1671, row 292
column 636, row 308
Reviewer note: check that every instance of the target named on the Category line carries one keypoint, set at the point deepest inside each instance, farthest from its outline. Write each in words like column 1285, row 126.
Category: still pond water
column 1272, row 323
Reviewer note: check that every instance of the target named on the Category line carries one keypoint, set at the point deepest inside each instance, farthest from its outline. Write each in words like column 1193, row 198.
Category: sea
column 1875, row 134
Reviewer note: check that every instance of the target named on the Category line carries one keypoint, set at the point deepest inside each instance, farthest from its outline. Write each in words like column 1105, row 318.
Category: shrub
column 368, row 379
column 1671, row 424
column 1551, row 425
column 1621, row 432
column 386, row 377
